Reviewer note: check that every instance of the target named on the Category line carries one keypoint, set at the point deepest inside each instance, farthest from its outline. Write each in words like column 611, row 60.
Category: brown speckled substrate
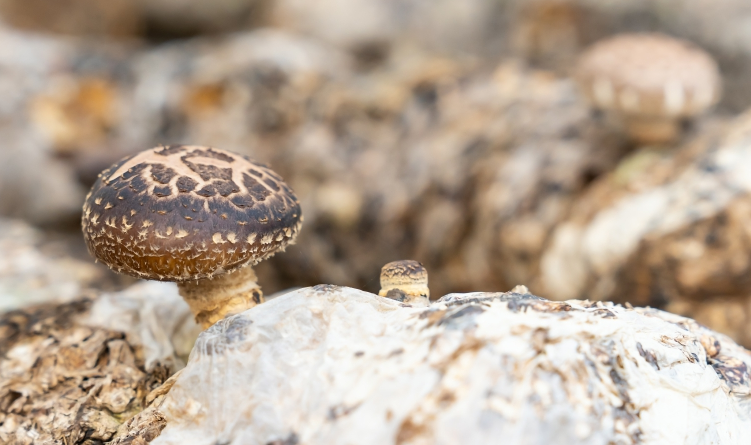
column 65, row 383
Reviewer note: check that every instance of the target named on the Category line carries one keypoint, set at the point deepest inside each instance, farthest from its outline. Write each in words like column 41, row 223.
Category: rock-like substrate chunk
column 77, row 372
column 333, row 365
column 666, row 229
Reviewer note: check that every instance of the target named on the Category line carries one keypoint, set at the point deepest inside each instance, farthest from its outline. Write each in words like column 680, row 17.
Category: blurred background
column 450, row 132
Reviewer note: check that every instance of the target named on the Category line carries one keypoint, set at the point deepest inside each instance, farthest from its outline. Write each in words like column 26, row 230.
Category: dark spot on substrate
column 463, row 312
column 649, row 356
column 326, row 288
column 396, row 352
column 235, row 331
column 732, row 370
column 292, row 439
column 396, row 294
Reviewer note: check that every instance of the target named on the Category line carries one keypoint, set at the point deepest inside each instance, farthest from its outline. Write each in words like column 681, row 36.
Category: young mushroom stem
column 210, row 300
column 652, row 130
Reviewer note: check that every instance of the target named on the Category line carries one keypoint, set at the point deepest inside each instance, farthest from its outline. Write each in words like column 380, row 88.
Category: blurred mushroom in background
column 649, row 83
column 76, row 114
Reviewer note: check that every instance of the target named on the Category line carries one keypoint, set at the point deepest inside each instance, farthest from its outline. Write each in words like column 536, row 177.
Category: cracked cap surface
column 181, row 213
column 408, row 276
column 649, row 74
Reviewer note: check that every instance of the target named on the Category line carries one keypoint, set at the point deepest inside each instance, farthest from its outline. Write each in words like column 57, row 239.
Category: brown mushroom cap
column 408, row 276
column 649, row 75
column 181, row 213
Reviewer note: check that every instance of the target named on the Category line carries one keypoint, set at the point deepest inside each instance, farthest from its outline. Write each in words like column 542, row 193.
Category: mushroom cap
column 403, row 273
column 180, row 213
column 649, row 75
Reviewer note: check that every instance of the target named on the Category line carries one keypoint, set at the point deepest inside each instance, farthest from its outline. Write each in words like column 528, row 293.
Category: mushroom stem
column 211, row 300
column 652, row 130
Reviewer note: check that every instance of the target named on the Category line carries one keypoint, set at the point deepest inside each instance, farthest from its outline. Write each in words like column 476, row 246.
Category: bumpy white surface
column 331, row 365
column 151, row 314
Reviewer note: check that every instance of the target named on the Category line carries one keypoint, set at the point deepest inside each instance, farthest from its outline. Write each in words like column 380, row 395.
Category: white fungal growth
column 471, row 369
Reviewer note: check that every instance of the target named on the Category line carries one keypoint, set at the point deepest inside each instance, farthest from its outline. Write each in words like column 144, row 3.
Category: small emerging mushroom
column 650, row 82
column 194, row 215
column 405, row 281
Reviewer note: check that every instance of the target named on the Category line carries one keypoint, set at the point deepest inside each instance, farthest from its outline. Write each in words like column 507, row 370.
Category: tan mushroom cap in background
column 649, row 75
column 182, row 213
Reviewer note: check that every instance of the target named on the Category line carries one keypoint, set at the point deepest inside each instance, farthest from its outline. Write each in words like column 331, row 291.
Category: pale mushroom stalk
column 198, row 216
column 405, row 281
column 652, row 130
column 212, row 299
